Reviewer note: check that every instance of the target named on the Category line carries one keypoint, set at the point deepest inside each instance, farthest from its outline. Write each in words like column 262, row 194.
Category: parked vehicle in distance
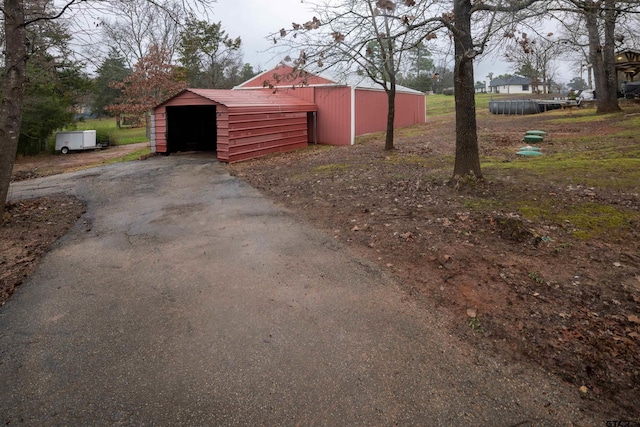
column 632, row 90
column 76, row 140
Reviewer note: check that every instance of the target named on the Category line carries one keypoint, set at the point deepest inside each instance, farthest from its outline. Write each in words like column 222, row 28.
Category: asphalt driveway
column 185, row 297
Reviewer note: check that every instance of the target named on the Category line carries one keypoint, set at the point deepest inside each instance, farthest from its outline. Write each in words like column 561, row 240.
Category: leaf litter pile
column 27, row 230
column 515, row 276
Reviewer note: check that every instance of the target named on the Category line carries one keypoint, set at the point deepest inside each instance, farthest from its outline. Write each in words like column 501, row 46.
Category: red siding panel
column 160, row 115
column 260, row 133
column 371, row 110
column 334, row 115
column 410, row 109
column 222, row 122
column 334, row 111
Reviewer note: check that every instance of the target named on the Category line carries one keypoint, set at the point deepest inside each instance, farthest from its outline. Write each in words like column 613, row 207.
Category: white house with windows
column 515, row 85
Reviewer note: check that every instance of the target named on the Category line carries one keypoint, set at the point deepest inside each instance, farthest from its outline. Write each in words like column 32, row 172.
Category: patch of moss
column 593, row 220
column 630, row 121
column 331, row 168
column 134, row 155
column 604, row 168
column 589, row 219
column 371, row 137
column 535, row 210
column 319, row 148
column 412, row 131
column 411, row 159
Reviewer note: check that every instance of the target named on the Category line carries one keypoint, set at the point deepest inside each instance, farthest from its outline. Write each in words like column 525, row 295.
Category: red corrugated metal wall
column 410, row 109
column 334, row 111
column 334, row 115
column 253, row 133
column 371, row 110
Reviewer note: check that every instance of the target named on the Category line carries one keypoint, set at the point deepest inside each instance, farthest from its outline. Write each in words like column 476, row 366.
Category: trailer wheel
column 64, row 150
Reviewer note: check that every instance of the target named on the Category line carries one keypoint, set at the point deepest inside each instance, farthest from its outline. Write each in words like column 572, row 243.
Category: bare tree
column 533, row 57
column 601, row 55
column 574, row 43
column 373, row 35
column 135, row 25
column 18, row 15
column 471, row 25
column 368, row 38
column 601, row 18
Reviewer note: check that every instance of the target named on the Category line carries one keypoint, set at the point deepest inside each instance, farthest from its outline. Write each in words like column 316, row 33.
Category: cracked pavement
column 186, row 297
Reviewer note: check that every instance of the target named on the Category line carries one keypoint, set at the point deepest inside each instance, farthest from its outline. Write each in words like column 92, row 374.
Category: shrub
column 105, row 137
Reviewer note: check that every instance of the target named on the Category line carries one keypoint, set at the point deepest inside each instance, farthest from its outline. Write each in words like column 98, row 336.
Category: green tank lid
column 529, row 153
column 533, row 138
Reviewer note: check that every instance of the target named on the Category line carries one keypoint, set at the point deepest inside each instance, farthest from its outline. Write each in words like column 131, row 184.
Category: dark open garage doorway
column 192, row 128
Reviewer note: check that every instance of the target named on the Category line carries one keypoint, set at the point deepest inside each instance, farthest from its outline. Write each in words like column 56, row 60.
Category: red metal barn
column 345, row 109
column 238, row 125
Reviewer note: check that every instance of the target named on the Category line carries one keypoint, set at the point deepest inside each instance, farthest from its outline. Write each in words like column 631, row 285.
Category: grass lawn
column 122, row 136
column 438, row 105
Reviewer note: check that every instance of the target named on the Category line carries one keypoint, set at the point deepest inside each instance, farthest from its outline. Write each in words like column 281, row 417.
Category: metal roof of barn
column 288, row 78
column 265, row 100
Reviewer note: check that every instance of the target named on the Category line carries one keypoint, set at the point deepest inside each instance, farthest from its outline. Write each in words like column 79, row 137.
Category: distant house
column 515, row 84
column 481, row 87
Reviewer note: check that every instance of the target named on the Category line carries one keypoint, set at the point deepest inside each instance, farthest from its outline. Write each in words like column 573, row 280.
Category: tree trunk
column 391, row 114
column 595, row 52
column 13, row 88
column 605, row 100
column 467, row 161
column 610, row 102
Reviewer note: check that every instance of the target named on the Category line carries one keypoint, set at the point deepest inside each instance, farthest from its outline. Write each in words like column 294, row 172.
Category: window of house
column 525, row 88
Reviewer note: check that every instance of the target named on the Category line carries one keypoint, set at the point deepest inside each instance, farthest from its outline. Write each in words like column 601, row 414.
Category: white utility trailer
column 76, row 140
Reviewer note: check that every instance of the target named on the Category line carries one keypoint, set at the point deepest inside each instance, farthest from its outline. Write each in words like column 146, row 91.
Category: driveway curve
column 186, row 297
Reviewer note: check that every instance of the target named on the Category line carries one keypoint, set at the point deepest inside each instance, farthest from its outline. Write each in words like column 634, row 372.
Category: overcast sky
column 256, row 19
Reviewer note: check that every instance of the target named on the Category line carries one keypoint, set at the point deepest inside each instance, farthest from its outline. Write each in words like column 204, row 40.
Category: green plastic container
column 533, row 138
column 529, row 148
column 529, row 153
column 536, row 132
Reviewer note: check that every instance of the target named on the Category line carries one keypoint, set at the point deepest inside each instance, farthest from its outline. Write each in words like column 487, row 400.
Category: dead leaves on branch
column 387, row 5
column 338, row 36
column 314, row 24
column 390, row 5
